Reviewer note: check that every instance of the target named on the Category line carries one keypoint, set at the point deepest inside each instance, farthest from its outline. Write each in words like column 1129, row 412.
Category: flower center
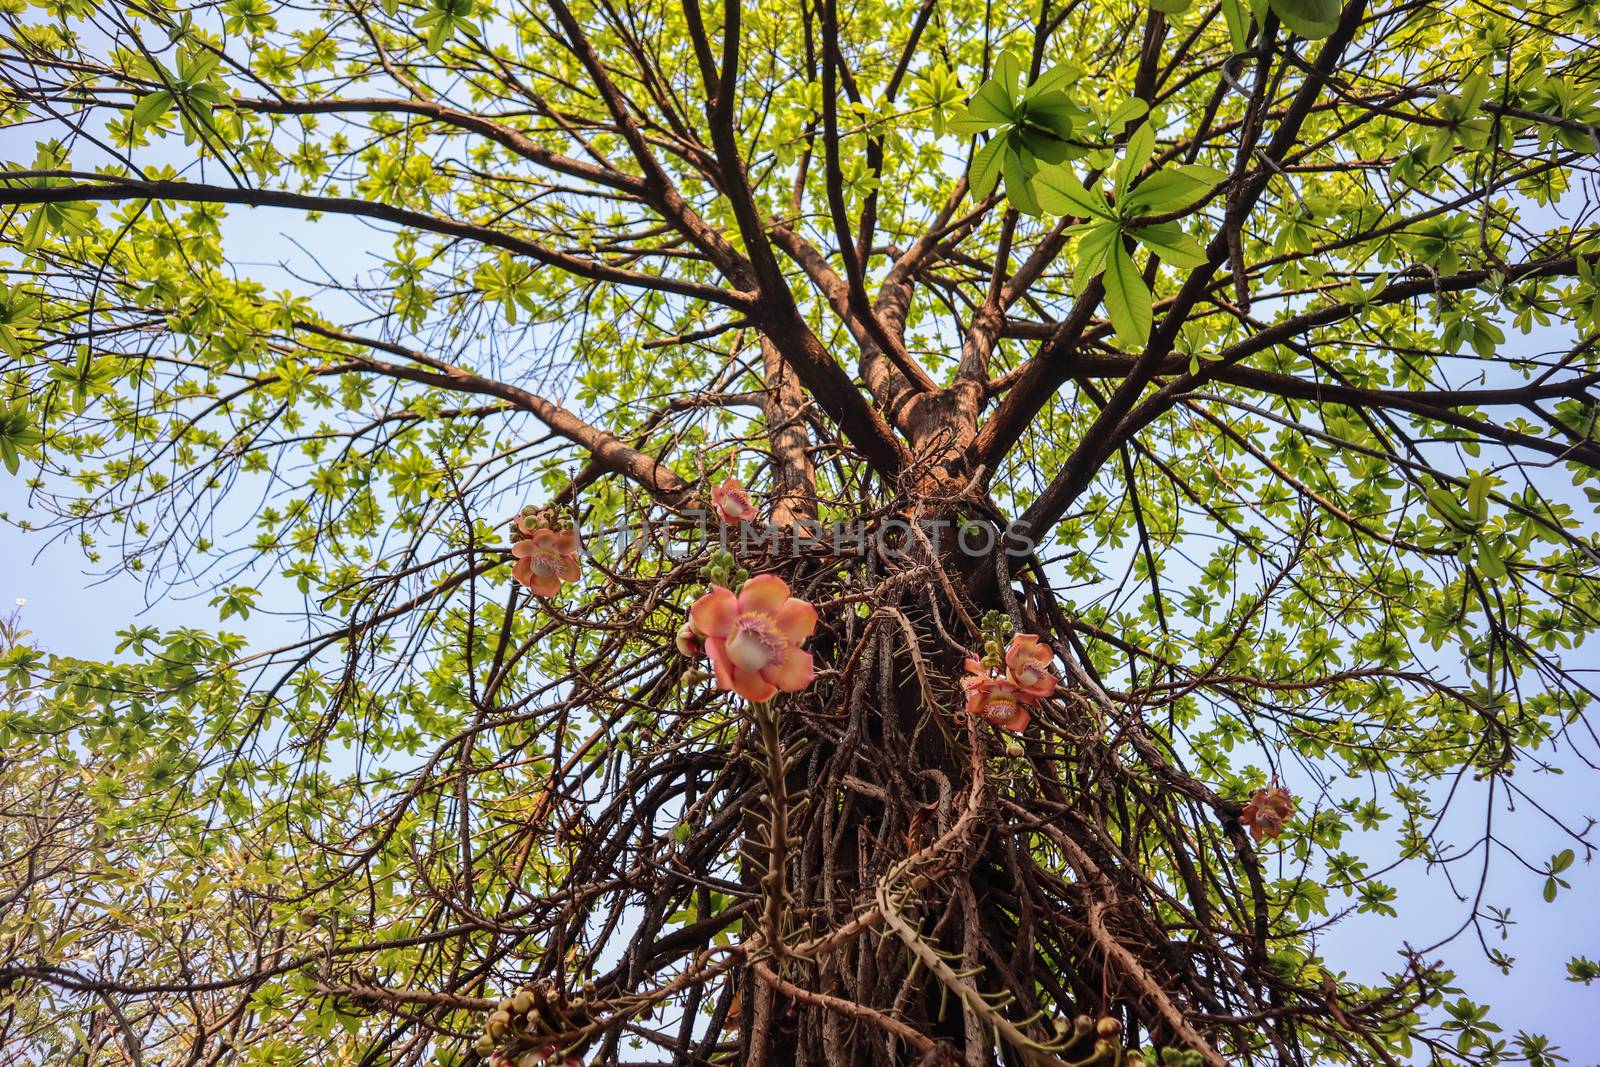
column 545, row 562
column 756, row 643
column 999, row 710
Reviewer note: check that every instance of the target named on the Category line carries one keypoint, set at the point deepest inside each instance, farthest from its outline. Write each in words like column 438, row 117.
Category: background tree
column 1253, row 346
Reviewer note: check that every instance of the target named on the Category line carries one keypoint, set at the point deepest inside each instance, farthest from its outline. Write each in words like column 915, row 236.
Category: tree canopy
column 894, row 531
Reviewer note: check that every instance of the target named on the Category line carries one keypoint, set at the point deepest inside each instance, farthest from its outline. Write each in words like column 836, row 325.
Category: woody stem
column 777, row 825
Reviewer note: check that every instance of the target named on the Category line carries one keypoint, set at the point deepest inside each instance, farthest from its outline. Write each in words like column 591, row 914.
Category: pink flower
column 997, row 701
column 688, row 642
column 754, row 638
column 1028, row 664
column 545, row 559
column 1268, row 811
column 732, row 502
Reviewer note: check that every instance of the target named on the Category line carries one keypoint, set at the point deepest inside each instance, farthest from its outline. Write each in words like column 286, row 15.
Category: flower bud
column 688, row 642
column 1108, row 1027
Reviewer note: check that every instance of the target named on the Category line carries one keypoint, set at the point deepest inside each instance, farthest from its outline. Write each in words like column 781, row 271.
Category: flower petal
column 1044, row 686
column 522, row 571
column 545, row 585
column 752, row 686
column 1027, row 650
column 716, row 613
column 565, row 541
column 569, row 569
column 977, row 687
column 524, row 548
column 717, row 649
column 796, row 619
column 764, row 592
column 792, row 673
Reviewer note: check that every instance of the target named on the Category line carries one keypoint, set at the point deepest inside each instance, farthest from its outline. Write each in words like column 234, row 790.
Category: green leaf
column 1171, row 189
column 1562, row 862
column 37, row 230
column 1488, row 559
column 1233, row 12
column 1127, row 297
column 1471, row 97
column 150, row 108
column 195, row 66
column 985, row 169
column 1170, row 7
column 1053, row 113
column 1056, row 78
column 1044, row 147
column 1018, row 188
column 1478, row 498
column 990, row 106
column 1008, row 72
column 1141, row 146
column 1093, row 248
column 1059, row 192
column 1130, row 109
column 1450, row 509
column 439, row 35
column 1169, row 242
column 1308, row 18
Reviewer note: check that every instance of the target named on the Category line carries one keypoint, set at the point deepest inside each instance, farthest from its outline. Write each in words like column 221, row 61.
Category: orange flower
column 1028, row 664
column 1268, row 811
column 545, row 558
column 997, row 701
column 754, row 638
column 732, row 502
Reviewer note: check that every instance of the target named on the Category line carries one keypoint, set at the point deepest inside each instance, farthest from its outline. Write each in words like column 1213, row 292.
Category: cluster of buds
column 1164, row 1057
column 1268, row 811
column 1009, row 678
column 546, row 554
column 1104, row 1031
column 723, row 569
column 525, row 1029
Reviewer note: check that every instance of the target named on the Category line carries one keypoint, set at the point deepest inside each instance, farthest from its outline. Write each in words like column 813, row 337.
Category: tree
column 1207, row 393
